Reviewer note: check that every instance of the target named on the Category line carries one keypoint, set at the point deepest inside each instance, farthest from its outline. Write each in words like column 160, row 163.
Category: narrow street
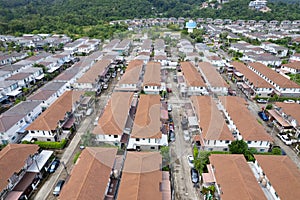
column 45, row 192
column 180, row 149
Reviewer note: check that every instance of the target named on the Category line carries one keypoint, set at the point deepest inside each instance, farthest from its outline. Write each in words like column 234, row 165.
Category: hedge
column 49, row 145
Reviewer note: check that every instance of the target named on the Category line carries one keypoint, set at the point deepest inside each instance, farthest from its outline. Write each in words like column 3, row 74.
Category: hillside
column 88, row 17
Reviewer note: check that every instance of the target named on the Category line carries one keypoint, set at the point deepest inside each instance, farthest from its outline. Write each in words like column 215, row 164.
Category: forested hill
column 78, row 16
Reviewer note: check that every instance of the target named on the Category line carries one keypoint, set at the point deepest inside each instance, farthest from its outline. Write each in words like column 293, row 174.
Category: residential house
column 295, row 57
column 216, row 60
column 185, row 46
column 159, row 47
column 152, row 78
column 12, row 69
column 144, row 56
column 15, row 120
column 9, row 89
column 49, row 93
column 213, row 79
column 275, row 49
column 243, row 124
column 73, row 46
column 161, row 59
column 283, row 86
column 4, row 75
column 113, row 121
column 267, row 59
column 109, row 47
column 132, row 78
column 123, row 47
column 92, row 174
column 142, row 177
column 293, row 67
column 194, row 83
column 60, row 116
column 286, row 117
column 232, row 178
column 146, row 46
column 91, row 80
column 279, row 175
column 253, row 84
column 146, row 131
column 215, row 134
column 15, row 160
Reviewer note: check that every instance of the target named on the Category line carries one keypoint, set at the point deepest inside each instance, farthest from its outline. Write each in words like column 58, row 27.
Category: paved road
column 45, row 192
column 184, row 188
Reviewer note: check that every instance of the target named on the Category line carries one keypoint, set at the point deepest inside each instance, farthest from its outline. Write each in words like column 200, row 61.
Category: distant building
column 258, row 4
column 190, row 25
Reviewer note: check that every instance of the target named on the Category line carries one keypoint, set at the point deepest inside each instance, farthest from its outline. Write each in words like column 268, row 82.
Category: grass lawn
column 295, row 78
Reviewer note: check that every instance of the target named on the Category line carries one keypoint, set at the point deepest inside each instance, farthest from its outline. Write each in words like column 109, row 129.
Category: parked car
column 169, row 107
column 263, row 116
column 261, row 101
column 171, row 136
column 194, row 176
column 186, row 135
column 53, row 166
column 58, row 187
column 105, row 86
column 190, row 159
column 285, row 139
column 169, row 90
column 289, row 101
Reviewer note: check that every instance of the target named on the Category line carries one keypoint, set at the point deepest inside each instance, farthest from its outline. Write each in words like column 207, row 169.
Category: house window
column 146, row 87
column 32, row 131
column 249, row 142
column 137, row 139
column 227, row 141
column 115, row 136
column 262, row 150
column 152, row 147
column 225, row 149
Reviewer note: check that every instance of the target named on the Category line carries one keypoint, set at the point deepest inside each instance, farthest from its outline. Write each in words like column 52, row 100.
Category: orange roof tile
column 211, row 121
column 147, row 119
column 245, row 122
column 191, row 75
column 213, row 77
column 252, row 77
column 132, row 73
column 152, row 74
column 90, row 176
column 282, row 173
column 112, row 121
column 277, row 78
column 12, row 160
column 235, row 177
column 49, row 119
column 141, row 176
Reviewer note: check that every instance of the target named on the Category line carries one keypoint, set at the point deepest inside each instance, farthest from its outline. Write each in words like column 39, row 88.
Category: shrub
column 49, row 145
column 76, row 157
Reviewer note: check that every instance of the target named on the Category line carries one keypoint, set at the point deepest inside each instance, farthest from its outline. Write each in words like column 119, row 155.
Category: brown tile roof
column 293, row 65
column 132, row 73
column 292, row 109
column 211, row 121
column 152, row 74
column 147, row 119
column 213, row 77
column 245, row 122
column 113, row 120
column 49, row 119
column 90, row 176
column 252, row 77
column 141, row 176
column 12, row 160
column 19, row 76
column 94, row 72
column 274, row 76
column 282, row 173
column 235, row 177
column 191, row 75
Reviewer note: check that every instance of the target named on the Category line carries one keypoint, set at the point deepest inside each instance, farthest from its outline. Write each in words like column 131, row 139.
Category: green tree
column 238, row 147
column 165, row 153
column 276, row 151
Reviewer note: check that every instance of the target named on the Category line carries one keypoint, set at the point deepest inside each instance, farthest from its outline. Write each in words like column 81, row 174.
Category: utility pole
column 65, row 167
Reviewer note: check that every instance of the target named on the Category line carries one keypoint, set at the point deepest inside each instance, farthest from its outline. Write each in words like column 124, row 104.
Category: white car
column 285, row 139
column 186, row 135
column 289, row 101
column 190, row 161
